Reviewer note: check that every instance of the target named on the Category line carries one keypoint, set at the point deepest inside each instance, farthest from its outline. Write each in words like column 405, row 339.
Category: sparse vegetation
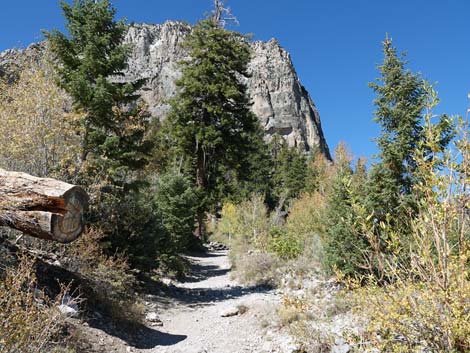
column 29, row 320
column 37, row 134
column 257, row 269
column 108, row 284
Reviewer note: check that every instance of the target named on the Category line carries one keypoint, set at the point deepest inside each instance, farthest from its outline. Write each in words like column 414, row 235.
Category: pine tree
column 175, row 202
column 290, row 172
column 344, row 247
column 401, row 98
column 211, row 122
column 256, row 176
column 90, row 58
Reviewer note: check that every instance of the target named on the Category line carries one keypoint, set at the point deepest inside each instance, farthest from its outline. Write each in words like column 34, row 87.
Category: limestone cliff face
column 156, row 52
column 279, row 100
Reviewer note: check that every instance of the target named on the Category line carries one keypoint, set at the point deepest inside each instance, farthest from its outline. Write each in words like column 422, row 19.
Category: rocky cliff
column 280, row 101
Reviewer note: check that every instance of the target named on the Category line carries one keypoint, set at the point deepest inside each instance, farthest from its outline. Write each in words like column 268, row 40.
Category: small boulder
column 68, row 306
column 342, row 348
column 232, row 311
column 68, row 311
column 167, row 281
column 153, row 318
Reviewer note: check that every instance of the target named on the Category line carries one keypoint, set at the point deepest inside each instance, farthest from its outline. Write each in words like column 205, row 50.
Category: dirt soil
column 192, row 316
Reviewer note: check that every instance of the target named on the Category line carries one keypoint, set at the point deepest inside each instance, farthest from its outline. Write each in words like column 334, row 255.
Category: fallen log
column 42, row 207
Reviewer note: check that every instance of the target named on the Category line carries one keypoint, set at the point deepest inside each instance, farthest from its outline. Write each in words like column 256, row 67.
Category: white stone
column 343, row 348
column 68, row 311
column 152, row 317
column 232, row 311
column 166, row 281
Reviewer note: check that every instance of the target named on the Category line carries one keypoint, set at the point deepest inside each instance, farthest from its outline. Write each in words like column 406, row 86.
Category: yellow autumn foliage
column 427, row 306
column 247, row 224
column 38, row 133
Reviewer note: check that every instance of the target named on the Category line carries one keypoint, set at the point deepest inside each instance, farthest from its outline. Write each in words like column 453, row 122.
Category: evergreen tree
column 89, row 58
column 344, row 247
column 359, row 180
column 290, row 170
column 211, row 122
column 401, row 98
column 257, row 175
column 175, row 202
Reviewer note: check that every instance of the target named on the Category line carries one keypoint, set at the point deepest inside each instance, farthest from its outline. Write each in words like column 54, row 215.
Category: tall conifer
column 90, row 59
column 401, row 100
column 210, row 118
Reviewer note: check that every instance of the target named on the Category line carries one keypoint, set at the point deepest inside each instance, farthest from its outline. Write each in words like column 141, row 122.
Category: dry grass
column 29, row 320
column 109, row 277
column 257, row 269
column 289, row 315
column 311, row 339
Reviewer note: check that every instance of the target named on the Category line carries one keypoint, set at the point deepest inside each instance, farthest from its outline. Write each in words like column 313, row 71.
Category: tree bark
column 200, row 183
column 44, row 208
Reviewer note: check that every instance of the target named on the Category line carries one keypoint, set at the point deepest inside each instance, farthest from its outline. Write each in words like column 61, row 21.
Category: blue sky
column 335, row 46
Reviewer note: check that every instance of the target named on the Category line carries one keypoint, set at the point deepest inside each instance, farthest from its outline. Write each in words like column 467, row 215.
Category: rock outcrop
column 280, row 101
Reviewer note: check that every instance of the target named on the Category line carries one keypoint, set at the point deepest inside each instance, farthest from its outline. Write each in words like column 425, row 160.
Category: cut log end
column 44, row 208
column 67, row 227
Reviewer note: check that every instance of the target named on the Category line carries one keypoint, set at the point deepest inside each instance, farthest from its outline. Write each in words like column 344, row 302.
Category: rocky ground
column 209, row 312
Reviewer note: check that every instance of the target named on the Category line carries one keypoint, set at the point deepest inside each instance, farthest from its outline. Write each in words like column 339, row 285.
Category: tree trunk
column 200, row 183
column 41, row 207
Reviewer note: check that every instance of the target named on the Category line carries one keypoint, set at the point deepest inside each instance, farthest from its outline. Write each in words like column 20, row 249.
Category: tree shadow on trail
column 207, row 296
column 202, row 272
column 137, row 335
column 207, row 253
column 168, row 296
column 51, row 278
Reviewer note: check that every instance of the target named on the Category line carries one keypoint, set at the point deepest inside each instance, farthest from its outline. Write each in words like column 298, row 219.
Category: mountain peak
column 279, row 100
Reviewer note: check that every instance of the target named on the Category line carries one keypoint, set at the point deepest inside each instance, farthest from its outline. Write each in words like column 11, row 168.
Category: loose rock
column 230, row 312
column 68, row 311
column 153, row 318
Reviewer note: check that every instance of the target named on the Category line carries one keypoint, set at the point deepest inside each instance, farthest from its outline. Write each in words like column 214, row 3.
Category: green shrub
column 284, row 244
column 175, row 202
column 172, row 265
column 344, row 245
column 129, row 224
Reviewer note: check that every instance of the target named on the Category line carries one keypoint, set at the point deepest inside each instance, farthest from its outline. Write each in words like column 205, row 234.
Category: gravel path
column 193, row 322
column 208, row 313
